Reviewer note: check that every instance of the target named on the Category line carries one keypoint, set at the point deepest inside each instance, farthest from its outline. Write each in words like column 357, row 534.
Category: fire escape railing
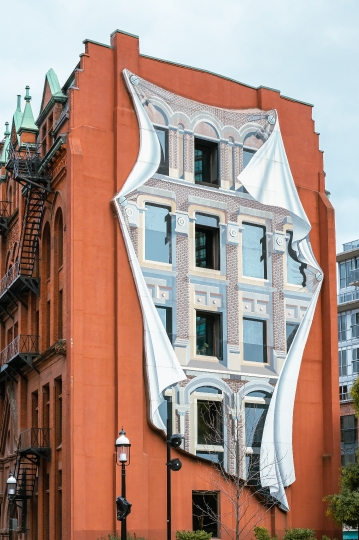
column 5, row 210
column 37, row 438
column 23, row 346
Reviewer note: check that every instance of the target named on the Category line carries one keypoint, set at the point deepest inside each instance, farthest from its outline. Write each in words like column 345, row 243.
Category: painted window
column 207, row 241
column 158, row 233
column 205, row 511
column 165, row 314
column 295, row 268
column 254, row 340
column 206, row 162
column 208, row 334
column 342, row 327
column 254, row 251
column 209, row 432
column 247, row 156
column 162, row 135
column 290, row 330
column 343, row 367
column 255, row 408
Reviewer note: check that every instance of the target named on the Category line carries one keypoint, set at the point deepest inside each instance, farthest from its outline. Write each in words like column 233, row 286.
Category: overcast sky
column 307, row 49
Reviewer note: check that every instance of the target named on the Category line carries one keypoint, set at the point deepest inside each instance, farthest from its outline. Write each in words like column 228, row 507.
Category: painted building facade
column 348, row 336
column 192, row 265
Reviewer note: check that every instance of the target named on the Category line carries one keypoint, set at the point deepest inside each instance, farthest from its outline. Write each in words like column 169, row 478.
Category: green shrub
column 299, row 534
column 261, row 533
column 193, row 535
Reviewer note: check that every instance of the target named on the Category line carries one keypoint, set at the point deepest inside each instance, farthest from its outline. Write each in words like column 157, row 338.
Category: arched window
column 46, row 252
column 255, row 411
column 59, row 238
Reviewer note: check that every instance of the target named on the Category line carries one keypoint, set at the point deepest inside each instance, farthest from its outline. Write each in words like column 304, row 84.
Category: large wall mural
column 218, row 243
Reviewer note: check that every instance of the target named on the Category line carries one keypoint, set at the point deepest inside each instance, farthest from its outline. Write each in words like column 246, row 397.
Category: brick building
column 158, row 274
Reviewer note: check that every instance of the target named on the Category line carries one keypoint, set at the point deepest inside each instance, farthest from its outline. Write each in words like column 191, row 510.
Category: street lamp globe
column 11, row 485
column 123, row 446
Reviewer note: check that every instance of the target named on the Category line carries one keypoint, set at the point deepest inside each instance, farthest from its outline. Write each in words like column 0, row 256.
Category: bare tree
column 231, row 438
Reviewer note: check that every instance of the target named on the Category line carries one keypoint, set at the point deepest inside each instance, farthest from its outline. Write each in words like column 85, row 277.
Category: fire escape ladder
column 25, row 473
column 34, row 208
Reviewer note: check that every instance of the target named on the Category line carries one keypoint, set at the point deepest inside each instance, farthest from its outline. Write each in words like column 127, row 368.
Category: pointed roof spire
column 18, row 114
column 28, row 122
column 3, row 156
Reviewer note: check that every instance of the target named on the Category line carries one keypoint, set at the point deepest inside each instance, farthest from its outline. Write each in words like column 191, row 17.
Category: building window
column 205, row 509
column 295, row 268
column 209, row 422
column 59, row 507
column 348, row 429
column 355, row 325
column 58, row 412
column 165, row 314
column 59, row 238
column 208, row 334
column 46, row 246
column 355, row 361
column 254, row 340
column 162, row 135
column 343, row 392
column 47, row 506
column 48, row 324
column 158, row 233
column 205, row 162
column 344, row 271
column 254, row 251
column 290, row 331
column 343, row 368
column 60, row 316
column 342, row 328
column 207, row 241
column 255, row 408
column 247, row 156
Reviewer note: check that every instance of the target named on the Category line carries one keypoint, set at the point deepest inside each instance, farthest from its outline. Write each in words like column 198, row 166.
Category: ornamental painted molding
column 268, row 180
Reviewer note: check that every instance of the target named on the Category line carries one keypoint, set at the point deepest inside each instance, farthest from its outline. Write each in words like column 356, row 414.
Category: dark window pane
column 290, row 330
column 254, row 252
column 215, row 457
column 158, row 233
column 205, row 162
column 209, row 422
column 205, row 510
column 254, row 340
column 295, row 268
column 165, row 314
column 247, row 156
column 208, row 334
column 207, row 248
column 208, row 390
column 162, row 135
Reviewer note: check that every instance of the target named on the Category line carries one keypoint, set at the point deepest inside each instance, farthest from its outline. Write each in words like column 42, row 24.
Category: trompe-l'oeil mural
column 199, row 169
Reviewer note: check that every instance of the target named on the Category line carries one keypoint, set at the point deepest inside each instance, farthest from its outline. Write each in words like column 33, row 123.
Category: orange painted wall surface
column 105, row 358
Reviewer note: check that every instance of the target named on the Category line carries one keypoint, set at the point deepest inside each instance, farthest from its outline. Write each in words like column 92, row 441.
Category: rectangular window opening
column 165, row 314
column 247, row 156
column 208, row 334
column 290, row 330
column 205, row 511
column 295, row 269
column 206, row 162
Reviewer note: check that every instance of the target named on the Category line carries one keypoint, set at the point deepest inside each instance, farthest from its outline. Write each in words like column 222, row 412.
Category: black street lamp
column 11, row 492
column 174, row 441
column 123, row 446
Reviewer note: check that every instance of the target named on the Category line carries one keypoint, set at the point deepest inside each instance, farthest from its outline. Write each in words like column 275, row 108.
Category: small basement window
column 206, row 162
column 208, row 334
column 207, row 241
column 162, row 135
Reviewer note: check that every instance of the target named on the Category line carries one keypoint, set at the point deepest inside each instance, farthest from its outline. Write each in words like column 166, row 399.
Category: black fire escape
column 34, row 445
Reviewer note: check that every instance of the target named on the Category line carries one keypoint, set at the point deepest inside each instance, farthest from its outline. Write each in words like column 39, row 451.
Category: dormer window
column 206, row 162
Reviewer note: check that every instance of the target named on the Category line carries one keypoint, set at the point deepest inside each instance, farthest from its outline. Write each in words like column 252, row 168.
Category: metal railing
column 34, row 438
column 9, row 277
column 348, row 297
column 5, row 208
column 22, row 344
column 351, row 245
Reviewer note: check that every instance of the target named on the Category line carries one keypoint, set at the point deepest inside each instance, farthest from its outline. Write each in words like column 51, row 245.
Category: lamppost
column 11, row 492
column 123, row 446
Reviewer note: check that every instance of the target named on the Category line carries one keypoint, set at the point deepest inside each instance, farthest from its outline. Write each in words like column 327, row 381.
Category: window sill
column 204, row 358
column 207, row 184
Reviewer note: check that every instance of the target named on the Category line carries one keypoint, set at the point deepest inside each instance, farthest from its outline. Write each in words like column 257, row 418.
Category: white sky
column 307, row 49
